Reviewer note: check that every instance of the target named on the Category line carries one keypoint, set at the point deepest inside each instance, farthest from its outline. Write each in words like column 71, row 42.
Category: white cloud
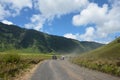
column 7, row 22
column 88, row 35
column 3, row 12
column 106, row 20
column 13, row 8
column 37, row 22
column 70, row 35
column 50, row 9
column 92, row 14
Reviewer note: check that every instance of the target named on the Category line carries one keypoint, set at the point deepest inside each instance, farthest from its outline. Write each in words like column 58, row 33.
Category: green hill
column 105, row 58
column 29, row 40
column 111, row 50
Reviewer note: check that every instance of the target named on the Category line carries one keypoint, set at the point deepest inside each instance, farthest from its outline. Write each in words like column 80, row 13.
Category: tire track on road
column 64, row 70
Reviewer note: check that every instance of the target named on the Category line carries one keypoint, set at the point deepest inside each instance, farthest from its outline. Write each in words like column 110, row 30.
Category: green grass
column 105, row 59
column 111, row 50
column 12, row 63
column 103, row 65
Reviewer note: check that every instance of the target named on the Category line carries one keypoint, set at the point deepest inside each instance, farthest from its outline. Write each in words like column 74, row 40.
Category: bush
column 11, row 58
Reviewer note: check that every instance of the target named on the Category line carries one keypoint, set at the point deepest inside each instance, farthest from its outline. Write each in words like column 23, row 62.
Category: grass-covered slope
column 29, row 40
column 111, row 50
column 105, row 59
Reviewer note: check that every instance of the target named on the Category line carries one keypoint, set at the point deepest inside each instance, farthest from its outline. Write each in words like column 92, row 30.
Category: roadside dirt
column 26, row 75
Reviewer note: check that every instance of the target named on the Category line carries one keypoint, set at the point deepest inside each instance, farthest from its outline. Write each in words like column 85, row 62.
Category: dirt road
column 64, row 70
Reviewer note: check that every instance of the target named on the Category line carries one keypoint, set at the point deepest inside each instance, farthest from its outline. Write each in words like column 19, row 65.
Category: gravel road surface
column 64, row 70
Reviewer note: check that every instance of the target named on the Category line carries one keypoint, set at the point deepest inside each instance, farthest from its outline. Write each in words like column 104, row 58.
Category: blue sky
column 83, row 20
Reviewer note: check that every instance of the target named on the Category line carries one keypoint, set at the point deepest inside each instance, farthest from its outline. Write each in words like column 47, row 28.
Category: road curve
column 64, row 70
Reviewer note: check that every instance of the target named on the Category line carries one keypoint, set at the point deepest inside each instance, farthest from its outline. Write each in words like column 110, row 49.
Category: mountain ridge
column 12, row 36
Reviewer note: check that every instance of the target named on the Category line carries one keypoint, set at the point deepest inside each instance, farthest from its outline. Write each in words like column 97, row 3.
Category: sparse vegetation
column 105, row 59
column 12, row 64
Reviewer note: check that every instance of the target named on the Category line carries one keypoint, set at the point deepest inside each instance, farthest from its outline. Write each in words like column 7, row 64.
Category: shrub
column 11, row 58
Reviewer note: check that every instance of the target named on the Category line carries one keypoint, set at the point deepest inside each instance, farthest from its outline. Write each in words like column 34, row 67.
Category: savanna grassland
column 105, row 59
column 13, row 63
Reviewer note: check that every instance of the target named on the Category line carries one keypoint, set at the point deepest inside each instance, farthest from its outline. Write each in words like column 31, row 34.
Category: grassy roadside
column 13, row 63
column 105, row 59
column 109, row 66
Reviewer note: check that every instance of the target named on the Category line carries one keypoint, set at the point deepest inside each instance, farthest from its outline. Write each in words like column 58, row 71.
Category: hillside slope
column 29, row 40
column 105, row 59
column 111, row 50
